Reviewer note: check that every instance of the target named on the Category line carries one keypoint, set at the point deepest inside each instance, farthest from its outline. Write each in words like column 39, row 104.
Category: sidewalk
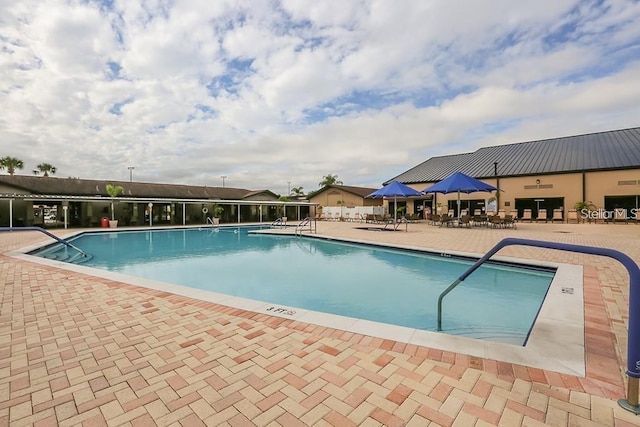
column 81, row 350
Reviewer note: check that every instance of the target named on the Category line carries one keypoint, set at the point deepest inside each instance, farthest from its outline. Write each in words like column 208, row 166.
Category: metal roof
column 88, row 187
column 358, row 191
column 62, row 197
column 618, row 149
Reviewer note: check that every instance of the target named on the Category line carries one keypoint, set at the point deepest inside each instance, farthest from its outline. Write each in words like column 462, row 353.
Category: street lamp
column 223, row 177
column 131, row 168
column 495, row 173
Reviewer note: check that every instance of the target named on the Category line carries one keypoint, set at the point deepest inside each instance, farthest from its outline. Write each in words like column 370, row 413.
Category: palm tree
column 113, row 191
column 46, row 168
column 11, row 164
column 330, row 179
column 297, row 191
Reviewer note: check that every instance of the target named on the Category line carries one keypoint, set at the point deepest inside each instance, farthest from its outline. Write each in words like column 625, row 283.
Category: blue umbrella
column 459, row 183
column 394, row 189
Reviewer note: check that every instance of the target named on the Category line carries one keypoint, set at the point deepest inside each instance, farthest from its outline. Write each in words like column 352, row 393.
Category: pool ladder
column 311, row 222
column 279, row 222
column 42, row 230
column 633, row 340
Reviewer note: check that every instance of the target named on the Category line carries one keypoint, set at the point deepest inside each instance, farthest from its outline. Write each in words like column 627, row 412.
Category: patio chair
column 465, row 221
column 446, row 220
column 526, row 215
column 572, row 215
column 542, row 215
column 501, row 213
column 557, row 215
column 620, row 215
column 509, row 221
column 479, row 220
column 599, row 215
column 496, row 222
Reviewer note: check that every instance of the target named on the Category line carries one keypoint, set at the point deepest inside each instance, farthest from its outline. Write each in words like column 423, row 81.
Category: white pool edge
column 556, row 342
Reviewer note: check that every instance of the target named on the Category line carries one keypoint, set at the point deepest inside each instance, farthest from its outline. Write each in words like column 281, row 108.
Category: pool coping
column 556, row 342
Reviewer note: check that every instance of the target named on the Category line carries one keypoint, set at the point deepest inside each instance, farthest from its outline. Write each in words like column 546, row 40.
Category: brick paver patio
column 81, row 350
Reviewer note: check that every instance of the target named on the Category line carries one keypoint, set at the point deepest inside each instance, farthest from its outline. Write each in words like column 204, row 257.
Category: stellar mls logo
column 618, row 213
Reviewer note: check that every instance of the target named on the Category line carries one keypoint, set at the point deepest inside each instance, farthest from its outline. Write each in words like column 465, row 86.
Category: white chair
column 542, row 215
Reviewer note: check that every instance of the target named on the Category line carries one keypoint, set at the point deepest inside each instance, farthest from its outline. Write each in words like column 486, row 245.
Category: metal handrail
column 633, row 341
column 308, row 220
column 278, row 222
column 42, row 230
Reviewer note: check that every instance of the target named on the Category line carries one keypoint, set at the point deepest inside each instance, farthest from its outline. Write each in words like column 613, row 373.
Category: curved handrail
column 42, row 230
column 633, row 341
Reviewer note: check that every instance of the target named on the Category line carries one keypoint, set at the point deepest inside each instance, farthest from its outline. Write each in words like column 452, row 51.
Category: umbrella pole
column 395, row 209
column 459, row 204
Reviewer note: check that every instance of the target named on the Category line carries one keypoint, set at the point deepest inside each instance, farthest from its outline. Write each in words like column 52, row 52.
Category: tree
column 113, row 191
column 46, row 169
column 11, row 164
column 297, row 191
column 330, row 179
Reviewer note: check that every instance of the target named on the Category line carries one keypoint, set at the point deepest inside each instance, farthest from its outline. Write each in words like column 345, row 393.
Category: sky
column 278, row 94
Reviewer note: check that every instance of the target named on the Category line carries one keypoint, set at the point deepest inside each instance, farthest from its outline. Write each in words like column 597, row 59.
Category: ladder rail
column 307, row 221
column 42, row 230
column 633, row 347
column 276, row 222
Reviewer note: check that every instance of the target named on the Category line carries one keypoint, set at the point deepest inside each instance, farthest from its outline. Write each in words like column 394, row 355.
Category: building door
column 539, row 203
column 628, row 203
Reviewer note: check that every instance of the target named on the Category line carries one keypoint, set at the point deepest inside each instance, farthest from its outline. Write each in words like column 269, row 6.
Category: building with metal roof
column 345, row 195
column 553, row 174
column 28, row 200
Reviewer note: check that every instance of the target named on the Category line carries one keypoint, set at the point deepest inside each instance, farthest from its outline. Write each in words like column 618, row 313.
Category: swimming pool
column 497, row 303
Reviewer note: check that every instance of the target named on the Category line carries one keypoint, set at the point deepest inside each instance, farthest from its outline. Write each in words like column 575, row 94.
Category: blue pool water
column 497, row 302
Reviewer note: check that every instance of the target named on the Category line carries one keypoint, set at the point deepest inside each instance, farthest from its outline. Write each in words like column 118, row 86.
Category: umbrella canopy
column 394, row 189
column 459, row 183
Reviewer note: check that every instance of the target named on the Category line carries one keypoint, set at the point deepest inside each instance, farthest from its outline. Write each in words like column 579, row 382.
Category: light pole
column 495, row 173
column 223, row 178
column 131, row 168
column 288, row 188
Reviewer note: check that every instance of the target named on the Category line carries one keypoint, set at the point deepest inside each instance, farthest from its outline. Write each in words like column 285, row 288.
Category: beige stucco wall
column 338, row 197
column 600, row 184
column 568, row 186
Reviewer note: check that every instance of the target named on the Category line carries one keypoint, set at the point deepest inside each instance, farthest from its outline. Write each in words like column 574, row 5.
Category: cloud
column 269, row 92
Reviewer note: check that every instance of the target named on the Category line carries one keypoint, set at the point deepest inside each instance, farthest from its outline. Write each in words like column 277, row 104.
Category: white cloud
column 266, row 92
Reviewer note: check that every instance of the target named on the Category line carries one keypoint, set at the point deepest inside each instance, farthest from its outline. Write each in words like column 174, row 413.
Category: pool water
column 496, row 303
